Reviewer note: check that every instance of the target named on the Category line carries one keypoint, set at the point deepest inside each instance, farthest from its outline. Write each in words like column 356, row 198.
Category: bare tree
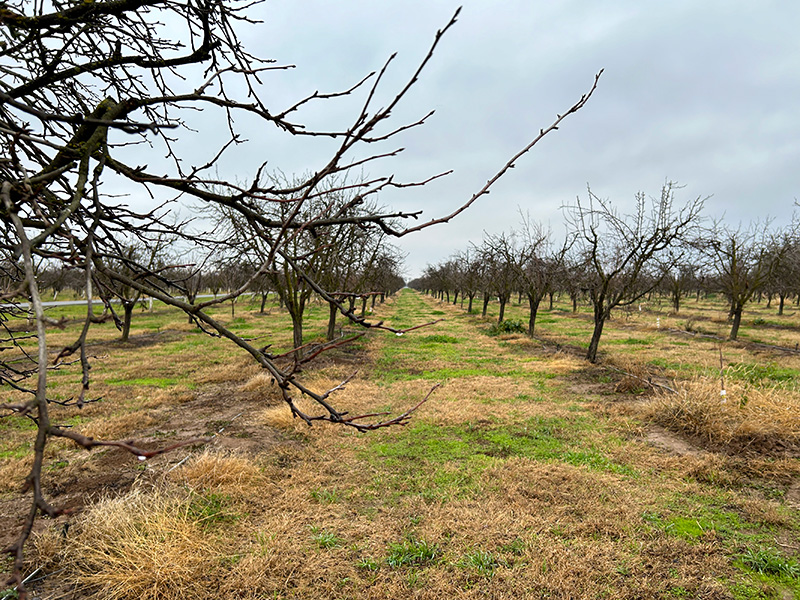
column 136, row 259
column 619, row 250
column 539, row 265
column 470, row 270
column 785, row 280
column 743, row 260
column 85, row 82
column 499, row 254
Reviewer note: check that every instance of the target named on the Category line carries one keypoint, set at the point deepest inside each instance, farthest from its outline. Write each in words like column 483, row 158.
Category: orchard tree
column 93, row 96
column 137, row 259
column 470, row 270
column 539, row 265
column 627, row 254
column 499, row 254
column 785, row 280
column 743, row 261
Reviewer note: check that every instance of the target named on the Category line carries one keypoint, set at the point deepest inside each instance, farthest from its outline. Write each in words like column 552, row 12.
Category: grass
column 480, row 562
column 325, row 540
column 411, row 553
column 524, row 475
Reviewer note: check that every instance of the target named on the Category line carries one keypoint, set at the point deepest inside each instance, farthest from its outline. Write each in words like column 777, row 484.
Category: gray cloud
column 700, row 93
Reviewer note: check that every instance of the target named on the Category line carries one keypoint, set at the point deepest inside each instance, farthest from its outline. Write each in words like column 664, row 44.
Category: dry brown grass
column 112, row 428
column 144, row 545
column 220, row 473
column 743, row 414
column 13, row 472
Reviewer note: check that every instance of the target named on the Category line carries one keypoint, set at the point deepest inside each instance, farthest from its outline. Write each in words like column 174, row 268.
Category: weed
column 325, row 496
column 507, row 326
column 211, row 509
column 9, row 594
column 325, row 539
column 515, row 547
column 479, row 561
column 368, row 564
column 411, row 552
column 768, row 562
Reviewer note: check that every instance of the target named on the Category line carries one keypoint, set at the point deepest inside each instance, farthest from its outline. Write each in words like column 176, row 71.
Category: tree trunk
column 676, row 300
column 591, row 354
column 263, row 301
column 574, row 298
column 503, row 301
column 297, row 334
column 781, row 301
column 485, row 303
column 469, row 308
column 127, row 307
column 455, row 297
column 534, row 306
column 737, row 320
column 331, row 321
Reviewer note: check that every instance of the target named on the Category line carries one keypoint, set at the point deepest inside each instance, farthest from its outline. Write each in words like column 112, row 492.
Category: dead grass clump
column 144, row 546
column 761, row 418
column 229, row 474
column 235, row 369
column 178, row 394
column 280, row 416
column 13, row 472
column 119, row 426
column 263, row 386
column 634, row 376
column 259, row 383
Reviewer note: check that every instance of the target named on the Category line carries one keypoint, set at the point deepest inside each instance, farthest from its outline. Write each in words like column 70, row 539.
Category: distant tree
column 679, row 276
column 624, row 254
column 137, row 259
column 470, row 272
column 785, row 279
column 539, row 265
column 499, row 254
column 743, row 261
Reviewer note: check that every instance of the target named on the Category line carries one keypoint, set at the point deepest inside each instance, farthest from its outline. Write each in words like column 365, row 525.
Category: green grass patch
column 438, row 339
column 411, row 553
column 325, row 540
column 480, row 562
column 211, row 510
column 159, row 382
column 767, row 561
column 446, row 462
column 631, row 341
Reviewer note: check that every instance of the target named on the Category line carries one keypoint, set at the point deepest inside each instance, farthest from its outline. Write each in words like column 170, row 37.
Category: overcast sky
column 701, row 93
